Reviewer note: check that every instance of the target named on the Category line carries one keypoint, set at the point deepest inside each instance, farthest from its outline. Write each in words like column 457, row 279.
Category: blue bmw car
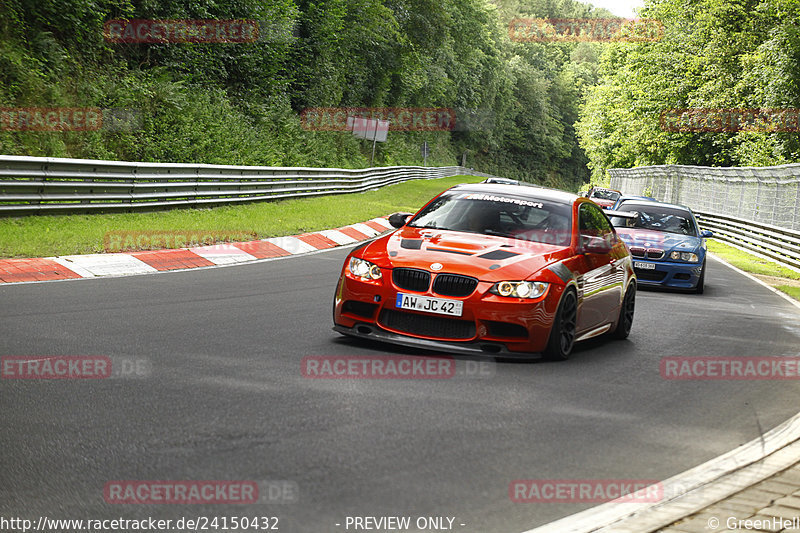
column 667, row 246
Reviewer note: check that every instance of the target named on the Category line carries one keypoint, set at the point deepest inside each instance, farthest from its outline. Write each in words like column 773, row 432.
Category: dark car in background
column 604, row 197
column 625, row 198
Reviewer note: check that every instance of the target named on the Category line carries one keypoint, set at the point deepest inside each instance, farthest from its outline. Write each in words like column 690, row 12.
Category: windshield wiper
column 497, row 233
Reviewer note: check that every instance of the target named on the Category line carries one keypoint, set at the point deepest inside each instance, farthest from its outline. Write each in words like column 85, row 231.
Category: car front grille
column 411, row 279
column 655, row 253
column 454, row 285
column 427, row 325
column 637, row 251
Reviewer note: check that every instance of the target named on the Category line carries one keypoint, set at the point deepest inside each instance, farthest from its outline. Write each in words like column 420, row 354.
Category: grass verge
column 40, row 236
column 782, row 278
column 791, row 290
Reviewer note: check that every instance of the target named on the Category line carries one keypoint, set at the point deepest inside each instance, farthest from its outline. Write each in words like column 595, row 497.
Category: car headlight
column 519, row 289
column 684, row 256
column 364, row 269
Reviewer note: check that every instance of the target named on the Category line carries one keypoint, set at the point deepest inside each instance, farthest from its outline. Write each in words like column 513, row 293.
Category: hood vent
column 411, row 244
column 459, row 252
column 497, row 255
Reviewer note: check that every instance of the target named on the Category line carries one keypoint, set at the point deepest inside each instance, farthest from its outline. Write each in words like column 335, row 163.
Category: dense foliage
column 239, row 103
column 527, row 103
column 714, row 54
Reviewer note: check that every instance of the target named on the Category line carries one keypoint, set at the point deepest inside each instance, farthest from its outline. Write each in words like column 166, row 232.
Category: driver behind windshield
column 482, row 216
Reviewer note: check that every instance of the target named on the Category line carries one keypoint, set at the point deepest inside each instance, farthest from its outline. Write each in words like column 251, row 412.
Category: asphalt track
column 225, row 399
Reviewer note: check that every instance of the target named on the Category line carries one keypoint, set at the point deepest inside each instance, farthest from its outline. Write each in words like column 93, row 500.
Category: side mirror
column 398, row 220
column 594, row 244
column 706, row 234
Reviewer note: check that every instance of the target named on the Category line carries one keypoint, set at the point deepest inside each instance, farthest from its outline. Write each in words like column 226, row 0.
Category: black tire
column 626, row 310
column 699, row 288
column 562, row 335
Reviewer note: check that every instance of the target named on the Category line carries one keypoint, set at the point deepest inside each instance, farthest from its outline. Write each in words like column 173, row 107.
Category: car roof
column 530, row 190
column 634, row 197
column 655, row 203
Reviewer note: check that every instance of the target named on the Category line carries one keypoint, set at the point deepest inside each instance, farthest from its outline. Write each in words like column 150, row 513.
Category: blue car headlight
column 689, row 257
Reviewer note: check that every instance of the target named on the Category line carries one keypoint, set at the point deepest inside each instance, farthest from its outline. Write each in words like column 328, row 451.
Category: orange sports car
column 493, row 269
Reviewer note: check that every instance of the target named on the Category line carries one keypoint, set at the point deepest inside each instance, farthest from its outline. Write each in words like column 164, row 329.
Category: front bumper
column 488, row 325
column 668, row 274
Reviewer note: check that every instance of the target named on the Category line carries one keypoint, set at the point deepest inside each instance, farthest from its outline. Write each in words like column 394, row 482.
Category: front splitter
column 484, row 349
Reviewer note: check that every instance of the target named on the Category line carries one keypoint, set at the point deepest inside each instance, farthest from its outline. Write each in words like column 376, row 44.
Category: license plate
column 644, row 266
column 427, row 304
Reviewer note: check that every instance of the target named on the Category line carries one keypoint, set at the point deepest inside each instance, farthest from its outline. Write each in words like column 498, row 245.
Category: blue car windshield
column 656, row 218
column 518, row 217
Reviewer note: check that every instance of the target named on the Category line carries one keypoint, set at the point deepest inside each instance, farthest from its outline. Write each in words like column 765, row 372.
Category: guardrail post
column 132, row 190
column 741, row 198
column 796, row 207
column 775, row 201
column 758, row 199
column 43, row 188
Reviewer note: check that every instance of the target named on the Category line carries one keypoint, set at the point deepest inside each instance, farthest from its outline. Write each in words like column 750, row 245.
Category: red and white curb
column 151, row 261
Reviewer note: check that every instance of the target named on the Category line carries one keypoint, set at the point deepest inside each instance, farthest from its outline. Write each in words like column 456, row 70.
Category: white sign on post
column 378, row 130
column 360, row 127
column 368, row 128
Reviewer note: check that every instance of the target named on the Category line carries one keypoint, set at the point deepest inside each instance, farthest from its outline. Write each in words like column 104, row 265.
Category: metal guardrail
column 756, row 208
column 780, row 244
column 43, row 185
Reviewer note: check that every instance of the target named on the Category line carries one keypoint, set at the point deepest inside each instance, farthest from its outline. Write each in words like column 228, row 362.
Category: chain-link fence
column 768, row 195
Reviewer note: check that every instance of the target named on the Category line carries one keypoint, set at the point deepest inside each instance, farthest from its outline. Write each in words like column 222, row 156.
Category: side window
column 592, row 221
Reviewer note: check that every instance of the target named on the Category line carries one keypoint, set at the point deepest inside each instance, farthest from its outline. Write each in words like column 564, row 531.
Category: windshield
column 657, row 218
column 604, row 194
column 518, row 217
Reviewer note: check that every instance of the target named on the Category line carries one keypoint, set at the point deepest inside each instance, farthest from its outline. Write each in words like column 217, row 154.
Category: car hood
column 486, row 257
column 659, row 239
